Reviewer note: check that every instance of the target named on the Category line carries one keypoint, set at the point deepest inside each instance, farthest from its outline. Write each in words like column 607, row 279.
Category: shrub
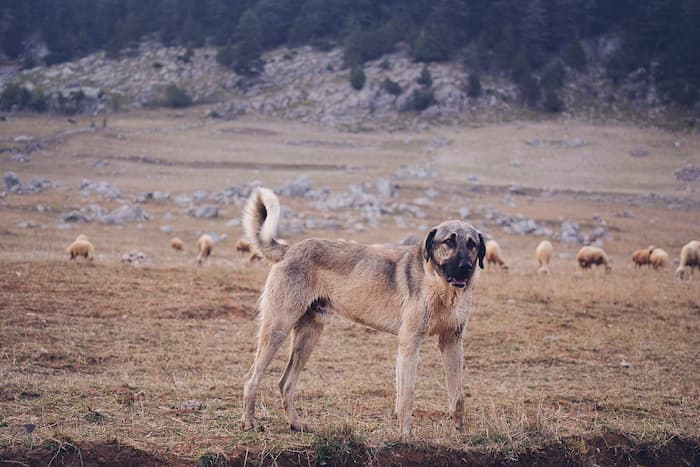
column 529, row 90
column 552, row 102
column 553, row 76
column 357, row 77
column 474, row 86
column 14, row 95
column 422, row 99
column 392, row 87
column 575, row 56
column 176, row 97
column 425, row 79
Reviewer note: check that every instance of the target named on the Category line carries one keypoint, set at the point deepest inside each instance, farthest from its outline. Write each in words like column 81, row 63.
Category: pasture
column 105, row 362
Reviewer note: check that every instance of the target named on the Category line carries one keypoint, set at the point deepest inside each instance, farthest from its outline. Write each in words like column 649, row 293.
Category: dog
column 411, row 292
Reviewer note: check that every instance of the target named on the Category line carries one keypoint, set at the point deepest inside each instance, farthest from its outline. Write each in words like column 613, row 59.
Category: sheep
column 176, row 244
column 81, row 247
column 243, row 246
column 255, row 256
column 658, row 259
column 641, row 257
column 690, row 259
column 204, row 246
column 493, row 254
column 544, row 254
column 82, row 237
column 590, row 255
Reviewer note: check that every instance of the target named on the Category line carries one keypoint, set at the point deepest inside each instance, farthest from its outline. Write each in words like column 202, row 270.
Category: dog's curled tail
column 261, row 218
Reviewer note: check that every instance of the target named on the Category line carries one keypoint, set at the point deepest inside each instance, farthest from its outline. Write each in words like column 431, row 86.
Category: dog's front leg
column 406, row 370
column 452, row 352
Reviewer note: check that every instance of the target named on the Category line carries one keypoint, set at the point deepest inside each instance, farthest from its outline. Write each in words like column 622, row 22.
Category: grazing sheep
column 204, row 245
column 82, row 237
column 592, row 255
column 690, row 259
column 641, row 257
column 255, row 256
column 81, row 247
column 176, row 244
column 544, row 254
column 658, row 259
column 243, row 246
column 493, row 254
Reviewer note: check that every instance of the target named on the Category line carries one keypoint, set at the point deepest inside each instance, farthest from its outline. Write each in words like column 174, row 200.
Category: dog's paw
column 252, row 425
column 300, row 426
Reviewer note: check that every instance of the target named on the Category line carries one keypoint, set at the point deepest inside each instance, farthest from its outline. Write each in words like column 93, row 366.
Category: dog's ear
column 428, row 245
column 481, row 251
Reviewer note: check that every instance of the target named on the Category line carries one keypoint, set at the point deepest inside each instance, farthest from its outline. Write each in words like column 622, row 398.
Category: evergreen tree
column 474, row 88
column 276, row 18
column 425, row 79
column 248, row 44
column 311, row 23
column 357, row 77
column 534, row 32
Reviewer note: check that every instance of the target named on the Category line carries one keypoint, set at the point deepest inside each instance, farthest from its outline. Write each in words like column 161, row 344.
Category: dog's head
column 455, row 248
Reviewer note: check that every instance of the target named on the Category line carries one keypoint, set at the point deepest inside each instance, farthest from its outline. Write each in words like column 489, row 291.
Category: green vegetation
column 491, row 36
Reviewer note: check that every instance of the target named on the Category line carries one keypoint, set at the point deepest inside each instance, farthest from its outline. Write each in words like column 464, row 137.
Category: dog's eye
column 471, row 243
column 450, row 241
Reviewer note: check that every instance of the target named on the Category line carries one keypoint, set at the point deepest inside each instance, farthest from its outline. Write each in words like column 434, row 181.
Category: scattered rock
column 297, row 188
column 569, row 232
column 22, row 158
column 206, row 211
column 386, row 188
column 167, row 228
column 235, row 222
column 12, row 183
column 27, row 224
column 153, row 196
column 136, row 258
column 74, row 217
column 126, row 213
column 686, row 174
column 191, row 405
column 639, row 153
column 37, row 185
column 102, row 188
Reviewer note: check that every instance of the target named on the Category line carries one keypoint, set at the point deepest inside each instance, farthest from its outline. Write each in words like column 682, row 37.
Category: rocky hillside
column 312, row 86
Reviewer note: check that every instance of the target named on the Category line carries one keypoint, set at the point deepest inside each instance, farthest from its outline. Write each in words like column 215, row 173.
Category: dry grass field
column 105, row 363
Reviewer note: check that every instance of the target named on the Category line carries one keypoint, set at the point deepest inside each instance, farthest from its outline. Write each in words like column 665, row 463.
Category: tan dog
column 411, row 292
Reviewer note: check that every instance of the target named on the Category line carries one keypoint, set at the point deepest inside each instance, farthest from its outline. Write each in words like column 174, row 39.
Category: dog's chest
column 449, row 314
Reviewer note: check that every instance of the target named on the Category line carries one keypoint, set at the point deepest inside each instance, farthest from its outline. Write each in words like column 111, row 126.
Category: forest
column 510, row 37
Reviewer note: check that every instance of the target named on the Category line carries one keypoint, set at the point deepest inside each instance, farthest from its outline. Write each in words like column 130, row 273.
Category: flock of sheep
column 589, row 256
column 586, row 257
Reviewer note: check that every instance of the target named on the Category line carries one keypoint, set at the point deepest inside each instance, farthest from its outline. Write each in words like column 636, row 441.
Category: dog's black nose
column 465, row 266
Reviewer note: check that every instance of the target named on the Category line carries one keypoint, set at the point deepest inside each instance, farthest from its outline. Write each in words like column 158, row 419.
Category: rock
column 386, row 188
column 199, row 196
column 509, row 201
column 410, row 240
column 464, row 212
column 183, row 200
column 102, row 188
column 569, row 232
column 625, row 215
column 74, row 217
column 167, row 228
column 235, row 222
column 686, row 174
column 639, row 153
column 191, row 405
column 297, row 188
column 136, row 258
column 206, row 211
column 27, row 225
column 126, row 213
column 12, row 183
column 153, row 196
column 214, row 236
column 20, row 158
column 37, row 185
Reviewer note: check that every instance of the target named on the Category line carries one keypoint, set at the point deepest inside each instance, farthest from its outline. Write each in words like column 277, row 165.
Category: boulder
column 126, row 213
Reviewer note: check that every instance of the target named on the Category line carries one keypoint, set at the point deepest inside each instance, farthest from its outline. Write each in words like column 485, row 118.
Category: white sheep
column 176, row 244
column 658, row 259
column 205, row 245
column 493, row 254
column 690, row 259
column 641, row 257
column 243, row 246
column 592, row 255
column 81, row 247
column 544, row 254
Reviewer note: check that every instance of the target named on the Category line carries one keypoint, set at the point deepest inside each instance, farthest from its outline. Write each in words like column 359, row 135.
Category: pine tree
column 248, row 45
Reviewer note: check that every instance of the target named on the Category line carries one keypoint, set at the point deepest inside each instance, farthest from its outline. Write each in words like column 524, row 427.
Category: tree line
column 513, row 37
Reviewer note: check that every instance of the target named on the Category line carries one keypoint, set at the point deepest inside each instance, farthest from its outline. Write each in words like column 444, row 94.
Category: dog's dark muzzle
column 458, row 274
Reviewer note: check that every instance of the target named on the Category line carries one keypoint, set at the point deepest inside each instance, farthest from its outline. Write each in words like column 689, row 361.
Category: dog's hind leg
column 272, row 335
column 304, row 338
